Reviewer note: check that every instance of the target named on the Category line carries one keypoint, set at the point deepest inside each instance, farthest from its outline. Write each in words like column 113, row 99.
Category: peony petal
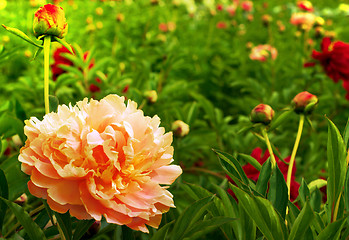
column 166, row 174
column 64, row 192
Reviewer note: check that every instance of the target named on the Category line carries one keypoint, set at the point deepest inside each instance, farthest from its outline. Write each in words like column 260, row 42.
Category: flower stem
column 272, row 157
column 293, row 155
column 47, row 42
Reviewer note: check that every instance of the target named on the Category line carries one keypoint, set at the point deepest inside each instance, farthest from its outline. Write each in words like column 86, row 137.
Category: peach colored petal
column 37, row 191
column 62, row 194
column 166, row 174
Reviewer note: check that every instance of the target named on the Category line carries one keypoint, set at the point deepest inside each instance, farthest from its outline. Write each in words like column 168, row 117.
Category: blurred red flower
column 334, row 59
column 221, row 25
column 253, row 174
column 59, row 59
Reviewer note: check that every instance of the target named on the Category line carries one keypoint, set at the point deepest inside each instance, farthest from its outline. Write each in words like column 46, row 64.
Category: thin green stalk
column 47, row 42
column 272, row 157
column 293, row 155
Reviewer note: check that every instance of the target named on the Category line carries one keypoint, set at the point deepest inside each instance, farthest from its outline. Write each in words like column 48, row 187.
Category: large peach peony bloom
column 101, row 158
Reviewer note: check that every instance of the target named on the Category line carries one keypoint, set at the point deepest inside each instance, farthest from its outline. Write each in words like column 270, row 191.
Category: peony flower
column 334, row 59
column 305, row 5
column 221, row 25
column 303, row 20
column 50, row 20
column 253, row 174
column 247, row 6
column 231, row 9
column 263, row 52
column 101, row 158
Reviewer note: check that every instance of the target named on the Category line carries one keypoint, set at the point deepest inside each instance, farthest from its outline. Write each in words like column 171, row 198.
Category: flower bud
column 304, row 102
column 179, row 128
column 21, row 200
column 50, row 20
column 151, row 96
column 262, row 113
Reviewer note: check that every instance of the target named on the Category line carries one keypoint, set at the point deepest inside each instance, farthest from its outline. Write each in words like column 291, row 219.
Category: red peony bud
column 50, row 20
column 304, row 102
column 262, row 113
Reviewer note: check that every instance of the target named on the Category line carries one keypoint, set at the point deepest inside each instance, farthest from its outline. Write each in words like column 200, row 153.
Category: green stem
column 272, row 157
column 47, row 42
column 293, row 155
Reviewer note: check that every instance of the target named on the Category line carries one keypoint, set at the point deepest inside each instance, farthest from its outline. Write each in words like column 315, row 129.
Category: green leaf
column 263, row 179
column 53, row 103
column 346, row 190
column 192, row 113
column 302, row 223
column 64, row 43
column 280, row 119
column 16, row 179
column 204, row 226
column 37, row 53
column 278, row 192
column 336, row 155
column 332, row 231
column 22, row 35
column 162, row 232
column 251, row 160
column 65, row 224
column 346, row 134
column 232, row 167
column 185, row 220
column 82, row 227
column 3, row 194
column 31, row 228
column 318, row 183
column 263, row 214
column 304, row 191
column 71, row 69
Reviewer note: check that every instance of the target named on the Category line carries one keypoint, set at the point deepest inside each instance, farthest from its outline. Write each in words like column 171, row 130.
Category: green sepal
column 22, row 35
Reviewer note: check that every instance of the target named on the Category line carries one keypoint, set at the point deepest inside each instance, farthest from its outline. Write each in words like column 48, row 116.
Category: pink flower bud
column 304, row 102
column 179, row 128
column 262, row 113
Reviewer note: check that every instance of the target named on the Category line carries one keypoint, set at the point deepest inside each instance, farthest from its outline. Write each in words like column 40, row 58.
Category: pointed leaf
column 82, row 227
column 232, row 167
column 302, row 223
column 332, row 231
column 65, row 44
column 162, row 232
column 204, row 226
column 336, row 155
column 280, row 119
column 263, row 179
column 251, row 160
column 65, row 224
column 262, row 212
column 186, row 218
column 3, row 194
column 304, row 191
column 278, row 192
column 346, row 134
column 32, row 229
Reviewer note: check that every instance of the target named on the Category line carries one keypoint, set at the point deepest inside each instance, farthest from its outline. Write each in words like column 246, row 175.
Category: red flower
column 334, row 59
column 253, row 174
column 60, row 59
column 222, row 25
